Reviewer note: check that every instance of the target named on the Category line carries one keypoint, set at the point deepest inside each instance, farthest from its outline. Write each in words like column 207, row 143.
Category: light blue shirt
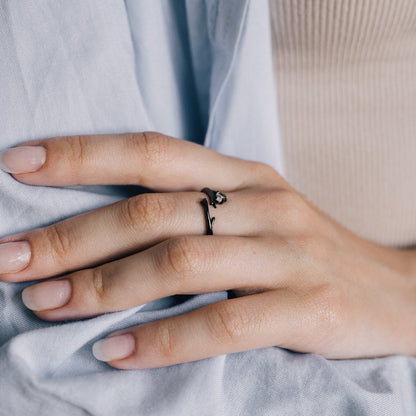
column 196, row 69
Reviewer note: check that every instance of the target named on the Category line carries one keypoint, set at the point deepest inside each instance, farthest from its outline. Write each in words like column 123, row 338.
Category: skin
column 301, row 280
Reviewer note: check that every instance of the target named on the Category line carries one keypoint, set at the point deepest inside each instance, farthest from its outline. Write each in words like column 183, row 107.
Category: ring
column 215, row 198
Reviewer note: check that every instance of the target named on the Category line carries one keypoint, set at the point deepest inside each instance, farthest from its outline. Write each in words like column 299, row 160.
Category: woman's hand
column 302, row 281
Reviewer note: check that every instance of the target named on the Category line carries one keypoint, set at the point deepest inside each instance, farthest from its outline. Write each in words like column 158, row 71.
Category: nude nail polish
column 14, row 256
column 47, row 295
column 23, row 159
column 114, row 347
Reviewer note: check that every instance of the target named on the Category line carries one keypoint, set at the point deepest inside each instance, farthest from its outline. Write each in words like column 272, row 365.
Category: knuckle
column 266, row 170
column 98, row 289
column 75, row 151
column 164, row 340
column 293, row 209
column 59, row 241
column 227, row 323
column 153, row 148
column 183, row 258
column 148, row 211
column 264, row 173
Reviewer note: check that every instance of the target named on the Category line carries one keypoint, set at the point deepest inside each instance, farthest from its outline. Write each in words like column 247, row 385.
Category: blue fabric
column 196, row 69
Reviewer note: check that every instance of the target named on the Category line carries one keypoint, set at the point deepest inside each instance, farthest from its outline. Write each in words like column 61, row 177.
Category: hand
column 302, row 281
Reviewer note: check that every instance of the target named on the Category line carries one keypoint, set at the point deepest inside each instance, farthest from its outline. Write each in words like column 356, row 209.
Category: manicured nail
column 22, row 159
column 47, row 295
column 114, row 348
column 14, row 256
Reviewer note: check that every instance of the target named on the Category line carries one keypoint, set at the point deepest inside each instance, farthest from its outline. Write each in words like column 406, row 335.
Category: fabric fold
column 198, row 70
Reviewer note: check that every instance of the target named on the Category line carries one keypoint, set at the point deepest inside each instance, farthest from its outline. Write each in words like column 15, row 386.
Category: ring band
column 215, row 198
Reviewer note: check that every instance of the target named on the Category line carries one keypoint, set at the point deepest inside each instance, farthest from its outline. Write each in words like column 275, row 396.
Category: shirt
column 199, row 70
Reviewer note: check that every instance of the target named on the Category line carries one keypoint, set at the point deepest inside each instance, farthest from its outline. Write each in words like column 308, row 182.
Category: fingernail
column 114, row 348
column 14, row 256
column 47, row 295
column 22, row 159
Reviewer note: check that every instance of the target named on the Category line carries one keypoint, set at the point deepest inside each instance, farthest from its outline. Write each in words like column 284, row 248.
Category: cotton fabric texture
column 198, row 70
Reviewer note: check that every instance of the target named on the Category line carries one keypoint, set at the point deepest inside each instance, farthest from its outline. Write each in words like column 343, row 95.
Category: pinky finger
column 268, row 319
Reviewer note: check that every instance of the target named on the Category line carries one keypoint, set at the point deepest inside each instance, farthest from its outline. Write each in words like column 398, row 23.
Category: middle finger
column 121, row 229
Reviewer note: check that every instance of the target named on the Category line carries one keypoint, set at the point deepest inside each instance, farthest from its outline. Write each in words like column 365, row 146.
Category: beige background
column 346, row 82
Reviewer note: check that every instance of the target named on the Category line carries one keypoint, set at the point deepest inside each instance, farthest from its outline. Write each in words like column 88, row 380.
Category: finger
column 126, row 227
column 184, row 265
column 275, row 318
column 152, row 160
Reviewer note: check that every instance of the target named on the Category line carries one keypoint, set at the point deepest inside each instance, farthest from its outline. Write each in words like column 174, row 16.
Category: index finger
column 148, row 159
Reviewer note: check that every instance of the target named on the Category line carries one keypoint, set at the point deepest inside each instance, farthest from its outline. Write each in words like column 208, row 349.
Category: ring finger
column 121, row 229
